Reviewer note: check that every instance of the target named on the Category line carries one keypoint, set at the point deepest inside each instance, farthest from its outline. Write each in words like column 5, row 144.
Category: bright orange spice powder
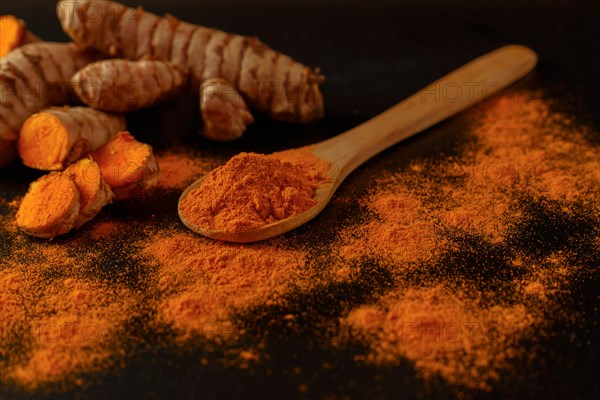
column 253, row 190
column 179, row 168
column 441, row 332
column 201, row 281
column 240, row 296
column 520, row 150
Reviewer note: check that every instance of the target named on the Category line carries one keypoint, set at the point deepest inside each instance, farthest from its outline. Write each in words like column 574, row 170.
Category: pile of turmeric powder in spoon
column 253, row 190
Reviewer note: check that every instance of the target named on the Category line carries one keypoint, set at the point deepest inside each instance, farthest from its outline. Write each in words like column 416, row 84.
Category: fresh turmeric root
column 124, row 86
column 94, row 192
column 224, row 111
column 62, row 201
column 51, row 206
column 127, row 165
column 57, row 137
column 33, row 78
column 14, row 34
column 270, row 82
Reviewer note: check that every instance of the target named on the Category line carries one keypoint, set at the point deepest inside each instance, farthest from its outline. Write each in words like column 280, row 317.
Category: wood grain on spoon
column 444, row 98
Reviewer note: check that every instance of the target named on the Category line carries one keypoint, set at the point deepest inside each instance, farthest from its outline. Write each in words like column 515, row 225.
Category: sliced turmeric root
column 127, row 165
column 50, row 207
column 93, row 190
column 14, row 34
column 57, row 137
column 225, row 115
column 125, row 86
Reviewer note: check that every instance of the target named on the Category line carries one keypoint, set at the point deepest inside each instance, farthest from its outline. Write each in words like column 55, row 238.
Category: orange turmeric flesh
column 12, row 33
column 57, row 137
column 127, row 165
column 93, row 190
column 50, row 207
column 43, row 142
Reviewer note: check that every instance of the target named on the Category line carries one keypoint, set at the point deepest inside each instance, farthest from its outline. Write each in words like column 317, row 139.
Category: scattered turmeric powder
column 125, row 86
column 180, row 167
column 225, row 115
column 253, row 190
column 14, row 34
column 127, row 165
column 57, row 137
column 459, row 222
column 33, row 78
column 270, row 81
column 202, row 282
column 466, row 277
column 403, row 220
column 441, row 333
column 105, row 230
column 76, row 321
column 440, row 264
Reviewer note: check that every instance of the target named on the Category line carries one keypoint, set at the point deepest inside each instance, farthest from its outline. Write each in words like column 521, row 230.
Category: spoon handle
column 445, row 97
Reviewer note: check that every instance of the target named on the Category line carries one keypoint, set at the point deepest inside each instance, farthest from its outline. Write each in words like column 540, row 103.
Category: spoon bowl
column 322, row 196
column 480, row 79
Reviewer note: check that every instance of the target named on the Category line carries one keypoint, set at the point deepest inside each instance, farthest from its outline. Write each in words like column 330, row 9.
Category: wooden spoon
column 451, row 94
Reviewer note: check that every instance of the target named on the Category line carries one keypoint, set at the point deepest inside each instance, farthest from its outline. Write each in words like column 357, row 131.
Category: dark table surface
column 375, row 53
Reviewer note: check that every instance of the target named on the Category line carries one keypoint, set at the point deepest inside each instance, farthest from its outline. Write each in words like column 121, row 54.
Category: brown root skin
column 269, row 81
column 225, row 115
column 57, row 137
column 14, row 34
column 50, row 208
column 32, row 78
column 125, row 86
column 128, row 166
column 93, row 190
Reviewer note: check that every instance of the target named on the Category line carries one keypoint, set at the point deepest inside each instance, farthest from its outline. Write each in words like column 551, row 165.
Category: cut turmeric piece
column 32, row 78
column 93, row 190
column 127, row 165
column 125, row 86
column 50, row 207
column 57, row 137
column 14, row 34
column 270, row 81
column 225, row 115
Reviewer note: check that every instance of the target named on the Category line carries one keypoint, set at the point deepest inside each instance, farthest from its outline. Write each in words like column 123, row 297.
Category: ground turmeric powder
column 57, row 137
column 180, row 166
column 127, row 165
column 441, row 332
column 253, row 190
column 405, row 270
column 14, row 34
column 33, row 78
column 125, row 86
column 269, row 81
column 225, row 115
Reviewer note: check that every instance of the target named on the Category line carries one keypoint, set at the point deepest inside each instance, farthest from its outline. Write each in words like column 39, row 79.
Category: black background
column 373, row 54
